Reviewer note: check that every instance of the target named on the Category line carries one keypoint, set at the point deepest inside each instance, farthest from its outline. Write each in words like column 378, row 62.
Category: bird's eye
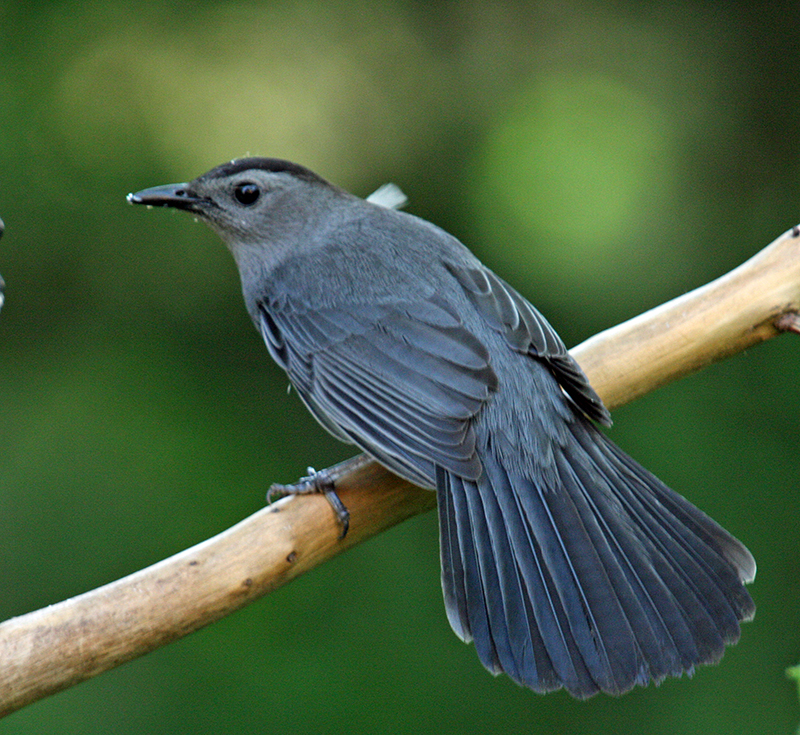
column 246, row 193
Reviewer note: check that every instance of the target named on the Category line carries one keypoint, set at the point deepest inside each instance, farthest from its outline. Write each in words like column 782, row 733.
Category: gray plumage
column 567, row 563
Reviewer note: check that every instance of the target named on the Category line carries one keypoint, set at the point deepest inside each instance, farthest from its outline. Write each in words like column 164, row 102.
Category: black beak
column 171, row 195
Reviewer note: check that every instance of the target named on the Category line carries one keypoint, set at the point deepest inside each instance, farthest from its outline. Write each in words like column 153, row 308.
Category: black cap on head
column 273, row 165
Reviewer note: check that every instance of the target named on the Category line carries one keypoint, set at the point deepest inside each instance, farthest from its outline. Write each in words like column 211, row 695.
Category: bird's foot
column 315, row 482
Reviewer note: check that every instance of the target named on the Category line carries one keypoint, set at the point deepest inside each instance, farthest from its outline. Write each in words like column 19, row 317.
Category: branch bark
column 56, row 647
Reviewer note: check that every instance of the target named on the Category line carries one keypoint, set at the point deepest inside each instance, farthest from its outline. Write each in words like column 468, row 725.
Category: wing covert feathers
column 402, row 381
column 528, row 332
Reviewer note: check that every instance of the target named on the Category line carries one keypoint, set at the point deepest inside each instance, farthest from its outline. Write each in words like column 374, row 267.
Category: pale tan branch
column 714, row 321
column 51, row 649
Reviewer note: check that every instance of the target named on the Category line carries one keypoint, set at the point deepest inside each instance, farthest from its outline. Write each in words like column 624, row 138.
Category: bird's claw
column 315, row 482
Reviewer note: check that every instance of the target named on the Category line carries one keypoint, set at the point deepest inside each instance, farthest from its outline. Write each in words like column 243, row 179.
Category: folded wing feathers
column 401, row 381
column 527, row 331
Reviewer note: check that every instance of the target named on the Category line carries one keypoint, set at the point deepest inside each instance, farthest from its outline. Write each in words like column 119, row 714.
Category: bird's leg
column 315, row 482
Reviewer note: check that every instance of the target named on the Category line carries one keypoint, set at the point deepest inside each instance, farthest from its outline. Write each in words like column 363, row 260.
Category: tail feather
column 737, row 558
column 590, row 574
column 658, row 586
column 714, row 562
column 648, row 606
column 533, row 667
column 453, row 574
column 504, row 592
column 556, row 651
column 507, row 634
column 478, row 590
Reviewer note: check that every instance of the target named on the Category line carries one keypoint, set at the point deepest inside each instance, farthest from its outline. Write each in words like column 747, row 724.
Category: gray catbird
column 567, row 563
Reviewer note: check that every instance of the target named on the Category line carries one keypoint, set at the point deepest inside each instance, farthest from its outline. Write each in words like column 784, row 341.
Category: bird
column 566, row 563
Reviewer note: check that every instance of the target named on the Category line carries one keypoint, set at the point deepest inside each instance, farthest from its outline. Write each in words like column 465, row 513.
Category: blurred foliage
column 603, row 157
column 793, row 672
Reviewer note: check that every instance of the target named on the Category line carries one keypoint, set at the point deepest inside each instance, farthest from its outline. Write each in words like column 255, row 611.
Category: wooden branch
column 61, row 645
column 728, row 315
column 51, row 649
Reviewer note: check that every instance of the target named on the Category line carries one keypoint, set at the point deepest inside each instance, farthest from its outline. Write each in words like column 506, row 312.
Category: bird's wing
column 400, row 380
column 528, row 332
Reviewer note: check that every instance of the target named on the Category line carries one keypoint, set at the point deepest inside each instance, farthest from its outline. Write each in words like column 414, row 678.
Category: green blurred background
column 603, row 157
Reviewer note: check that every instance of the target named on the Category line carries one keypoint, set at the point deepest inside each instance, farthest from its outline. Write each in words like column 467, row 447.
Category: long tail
column 596, row 577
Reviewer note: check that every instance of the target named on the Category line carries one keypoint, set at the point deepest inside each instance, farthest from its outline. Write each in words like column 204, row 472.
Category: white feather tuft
column 390, row 196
